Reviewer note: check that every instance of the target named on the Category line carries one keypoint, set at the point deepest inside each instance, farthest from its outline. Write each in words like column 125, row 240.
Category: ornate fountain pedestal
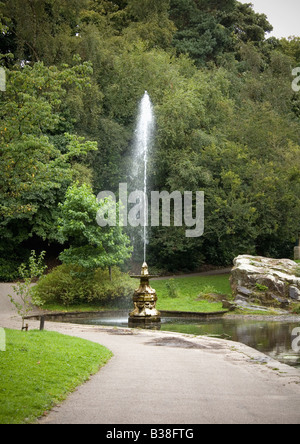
column 144, row 300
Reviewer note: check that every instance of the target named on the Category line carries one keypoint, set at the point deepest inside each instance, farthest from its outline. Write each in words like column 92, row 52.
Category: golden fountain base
column 144, row 300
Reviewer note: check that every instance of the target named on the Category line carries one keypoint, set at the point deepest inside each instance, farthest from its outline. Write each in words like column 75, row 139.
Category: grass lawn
column 39, row 369
column 188, row 290
column 188, row 295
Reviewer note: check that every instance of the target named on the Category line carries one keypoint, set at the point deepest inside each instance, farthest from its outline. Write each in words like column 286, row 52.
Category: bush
column 208, row 293
column 172, row 289
column 69, row 285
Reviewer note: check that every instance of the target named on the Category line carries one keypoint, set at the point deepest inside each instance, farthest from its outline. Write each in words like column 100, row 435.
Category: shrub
column 261, row 288
column 172, row 289
column 69, row 285
column 208, row 293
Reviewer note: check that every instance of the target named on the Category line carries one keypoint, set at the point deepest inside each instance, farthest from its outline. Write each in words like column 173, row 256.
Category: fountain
column 143, row 140
column 144, row 300
column 145, row 297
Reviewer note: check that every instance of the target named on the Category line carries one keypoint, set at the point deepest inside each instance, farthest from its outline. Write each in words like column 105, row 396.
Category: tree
column 199, row 32
column 36, row 172
column 207, row 30
column 291, row 47
column 248, row 25
column 150, row 22
column 42, row 30
column 91, row 246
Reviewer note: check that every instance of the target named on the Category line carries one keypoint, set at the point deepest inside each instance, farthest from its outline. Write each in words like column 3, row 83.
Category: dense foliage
column 227, row 119
column 66, row 285
column 91, row 246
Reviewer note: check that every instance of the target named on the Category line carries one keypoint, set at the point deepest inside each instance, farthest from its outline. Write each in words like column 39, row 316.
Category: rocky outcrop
column 269, row 282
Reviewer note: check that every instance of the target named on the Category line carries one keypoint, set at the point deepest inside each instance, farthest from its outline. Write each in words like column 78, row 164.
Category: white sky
column 284, row 15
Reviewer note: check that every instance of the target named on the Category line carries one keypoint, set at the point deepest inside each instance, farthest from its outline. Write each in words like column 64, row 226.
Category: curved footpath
column 169, row 378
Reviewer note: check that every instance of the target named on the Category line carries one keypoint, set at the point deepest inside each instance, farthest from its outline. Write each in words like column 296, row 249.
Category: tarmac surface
column 168, row 378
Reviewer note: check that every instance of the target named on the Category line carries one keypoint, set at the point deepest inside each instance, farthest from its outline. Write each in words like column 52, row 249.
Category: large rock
column 271, row 282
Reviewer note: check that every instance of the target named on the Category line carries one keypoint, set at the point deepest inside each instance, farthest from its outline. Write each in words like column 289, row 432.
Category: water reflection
column 271, row 338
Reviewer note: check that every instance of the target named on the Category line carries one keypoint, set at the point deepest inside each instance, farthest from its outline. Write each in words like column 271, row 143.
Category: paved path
column 168, row 378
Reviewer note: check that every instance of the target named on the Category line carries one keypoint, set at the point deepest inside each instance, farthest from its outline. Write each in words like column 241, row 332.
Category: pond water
column 272, row 338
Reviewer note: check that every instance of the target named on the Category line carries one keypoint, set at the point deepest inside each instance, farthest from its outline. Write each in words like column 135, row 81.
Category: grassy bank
column 191, row 293
column 181, row 294
column 39, row 370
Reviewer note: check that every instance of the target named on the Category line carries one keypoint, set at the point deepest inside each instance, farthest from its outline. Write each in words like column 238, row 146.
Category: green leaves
column 35, row 173
column 227, row 123
column 91, row 246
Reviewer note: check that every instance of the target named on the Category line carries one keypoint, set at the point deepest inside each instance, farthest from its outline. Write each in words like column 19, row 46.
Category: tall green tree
column 91, row 246
column 42, row 30
column 35, row 171
column 207, row 30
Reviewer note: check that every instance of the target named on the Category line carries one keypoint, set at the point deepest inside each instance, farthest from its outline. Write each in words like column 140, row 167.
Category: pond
column 273, row 338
